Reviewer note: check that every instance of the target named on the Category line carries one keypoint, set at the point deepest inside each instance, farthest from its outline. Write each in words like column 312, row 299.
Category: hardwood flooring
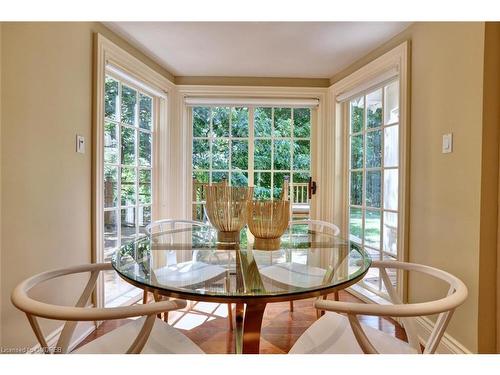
column 207, row 325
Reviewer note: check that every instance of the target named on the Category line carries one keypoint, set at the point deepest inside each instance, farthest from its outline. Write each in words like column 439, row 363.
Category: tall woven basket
column 227, row 210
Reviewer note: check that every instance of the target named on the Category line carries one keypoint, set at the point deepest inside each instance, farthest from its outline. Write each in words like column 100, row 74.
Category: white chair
column 318, row 225
column 145, row 335
column 286, row 272
column 340, row 334
column 175, row 274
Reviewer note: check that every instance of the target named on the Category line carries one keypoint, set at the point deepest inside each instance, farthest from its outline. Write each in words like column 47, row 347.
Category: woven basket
column 227, row 210
column 267, row 221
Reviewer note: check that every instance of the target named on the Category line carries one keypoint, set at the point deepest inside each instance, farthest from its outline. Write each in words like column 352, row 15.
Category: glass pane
column 128, row 145
column 391, row 146
column 144, row 218
column 220, row 176
column 201, row 122
column 357, row 151
column 145, row 148
column 199, row 181
column 372, row 228
column 239, row 178
column 239, row 154
column 299, row 188
column 198, row 212
column 391, row 104
column 372, row 276
column 220, row 154
column 302, row 122
column 239, row 122
column 374, row 149
column 278, row 181
column 129, row 101
column 357, row 188
column 282, row 122
column 374, row 109
column 128, row 177
column 220, row 121
column 201, row 154
column 262, row 154
column 301, row 155
column 145, row 114
column 373, row 188
column 262, row 183
column 111, row 98
column 282, row 154
column 357, row 114
column 110, row 186
column 128, row 224
column 110, row 230
column 391, row 189
column 110, row 143
column 355, row 225
column 262, row 122
column 145, row 186
column 390, row 235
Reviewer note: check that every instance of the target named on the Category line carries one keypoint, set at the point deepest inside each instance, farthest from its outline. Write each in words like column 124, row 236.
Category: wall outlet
column 80, row 144
column 447, row 146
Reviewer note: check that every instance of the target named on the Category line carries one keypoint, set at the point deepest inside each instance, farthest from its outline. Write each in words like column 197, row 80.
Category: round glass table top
column 189, row 263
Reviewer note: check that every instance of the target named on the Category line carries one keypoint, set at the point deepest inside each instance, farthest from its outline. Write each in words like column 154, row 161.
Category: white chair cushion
column 332, row 334
column 163, row 339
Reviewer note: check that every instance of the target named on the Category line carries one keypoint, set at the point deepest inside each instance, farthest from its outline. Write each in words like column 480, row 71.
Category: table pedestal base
column 248, row 325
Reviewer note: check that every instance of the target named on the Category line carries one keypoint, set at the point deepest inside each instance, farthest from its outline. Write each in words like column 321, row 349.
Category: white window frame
column 255, row 97
column 107, row 53
column 375, row 72
column 250, row 139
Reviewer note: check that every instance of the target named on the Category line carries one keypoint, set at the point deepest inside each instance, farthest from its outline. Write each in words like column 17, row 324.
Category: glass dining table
column 189, row 263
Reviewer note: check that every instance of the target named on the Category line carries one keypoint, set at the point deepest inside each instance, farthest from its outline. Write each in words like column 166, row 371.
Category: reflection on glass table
column 189, row 263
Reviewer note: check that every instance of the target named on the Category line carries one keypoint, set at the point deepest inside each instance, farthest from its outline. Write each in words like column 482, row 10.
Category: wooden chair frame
column 72, row 315
column 322, row 225
column 166, row 225
column 457, row 294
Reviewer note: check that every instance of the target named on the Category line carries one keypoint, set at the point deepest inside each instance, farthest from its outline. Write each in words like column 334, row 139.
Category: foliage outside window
column 226, row 144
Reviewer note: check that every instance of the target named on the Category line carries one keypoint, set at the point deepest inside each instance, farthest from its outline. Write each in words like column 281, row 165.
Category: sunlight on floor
column 195, row 314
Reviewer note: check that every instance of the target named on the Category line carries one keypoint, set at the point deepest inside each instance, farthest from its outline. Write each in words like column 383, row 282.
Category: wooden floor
column 207, row 325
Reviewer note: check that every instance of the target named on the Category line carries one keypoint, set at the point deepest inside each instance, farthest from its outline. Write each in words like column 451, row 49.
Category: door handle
column 311, row 188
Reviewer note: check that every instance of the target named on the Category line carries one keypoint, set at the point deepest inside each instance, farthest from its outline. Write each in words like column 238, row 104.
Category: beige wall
column 1, row 290
column 45, row 185
column 446, row 189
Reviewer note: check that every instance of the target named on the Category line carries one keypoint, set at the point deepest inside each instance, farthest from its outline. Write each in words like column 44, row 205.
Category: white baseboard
column 424, row 325
column 82, row 330
column 448, row 344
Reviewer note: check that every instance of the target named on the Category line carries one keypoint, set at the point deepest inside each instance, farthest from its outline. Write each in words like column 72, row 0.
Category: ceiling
column 256, row 49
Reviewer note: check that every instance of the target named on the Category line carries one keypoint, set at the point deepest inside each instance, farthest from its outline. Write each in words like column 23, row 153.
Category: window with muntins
column 128, row 163
column 252, row 146
column 373, row 173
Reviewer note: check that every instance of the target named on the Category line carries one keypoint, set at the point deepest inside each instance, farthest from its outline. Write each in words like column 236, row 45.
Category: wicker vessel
column 267, row 221
column 227, row 210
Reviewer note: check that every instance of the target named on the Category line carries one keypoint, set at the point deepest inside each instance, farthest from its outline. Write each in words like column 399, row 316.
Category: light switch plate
column 80, row 144
column 447, row 146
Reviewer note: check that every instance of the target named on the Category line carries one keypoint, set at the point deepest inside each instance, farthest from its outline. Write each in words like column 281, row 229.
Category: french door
column 127, row 175
column 374, row 175
column 253, row 146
